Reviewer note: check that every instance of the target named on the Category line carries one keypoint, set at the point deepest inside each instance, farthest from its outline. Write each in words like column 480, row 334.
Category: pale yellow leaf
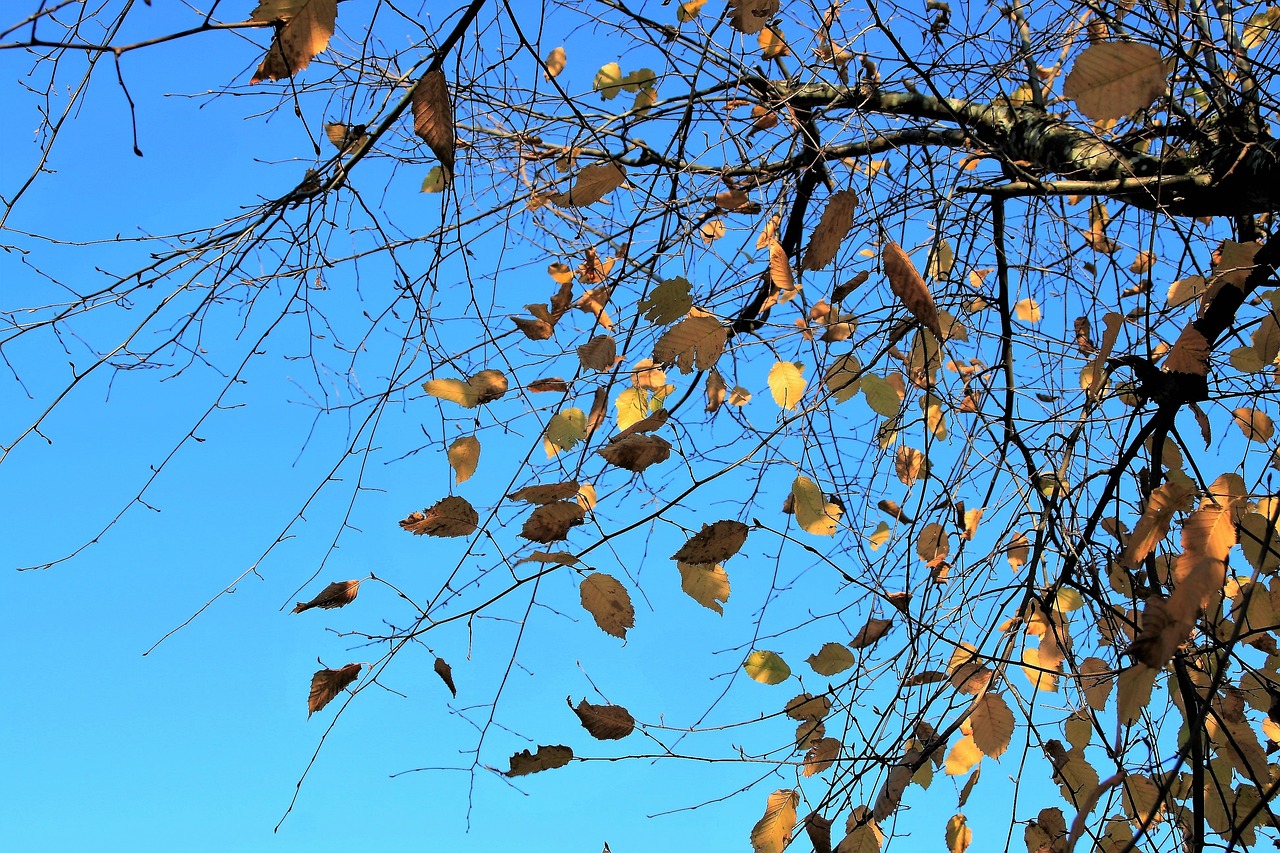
column 813, row 513
column 464, row 456
column 787, row 382
column 555, row 62
column 705, row 583
column 963, row 757
column 766, row 667
column 1112, row 79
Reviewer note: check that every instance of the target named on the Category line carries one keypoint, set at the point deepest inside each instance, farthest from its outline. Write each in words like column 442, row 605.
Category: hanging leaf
column 959, row 834
column 716, row 391
column 554, row 62
column 559, row 557
column 551, row 522
column 667, row 302
column 766, row 667
column 636, row 452
column 433, row 117
column 831, row 659
column 599, row 354
column 771, row 832
column 695, row 343
column 307, row 27
column 564, row 430
column 813, row 513
column 883, row 398
column 593, row 183
column 546, row 494
column 780, row 268
column 963, row 757
column 836, row 221
column 705, row 583
column 484, row 387
column 445, row 672
column 608, row 603
column 910, row 465
column 1168, row 498
column 843, row 378
column 328, row 683
column 714, row 543
column 1255, row 424
column 1112, row 79
column 910, row 288
column 604, row 722
column 464, row 456
column 548, row 758
column 448, row 517
column 787, row 382
column 992, row 724
column 336, row 594
column 821, row 756
column 871, row 633
column 807, row 707
column 1028, row 311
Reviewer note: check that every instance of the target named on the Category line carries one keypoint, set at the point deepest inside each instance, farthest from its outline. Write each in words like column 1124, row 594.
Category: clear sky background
column 199, row 744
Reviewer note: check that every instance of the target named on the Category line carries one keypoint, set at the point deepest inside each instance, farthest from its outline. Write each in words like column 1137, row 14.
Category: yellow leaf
column 308, row 26
column 1134, row 692
column 436, row 180
column 608, row 603
column 772, row 44
column 1255, row 424
column 831, row 659
column 632, row 405
column 771, row 832
column 565, row 429
column 959, row 835
column 464, row 456
column 963, row 757
column 1018, row 551
column 689, row 9
column 705, row 583
column 1112, row 79
column 739, row 396
column 1042, row 674
column 1169, row 498
column 608, row 81
column 712, row 230
column 766, row 667
column 813, row 513
column 555, row 62
column 992, row 723
column 883, row 398
column 843, row 378
column 879, row 536
column 1027, row 310
column 750, row 16
column 787, row 382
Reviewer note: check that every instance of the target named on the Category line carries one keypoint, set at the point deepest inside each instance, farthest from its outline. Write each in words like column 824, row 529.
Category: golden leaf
column 1255, row 424
column 336, row 594
column 328, row 683
column 608, row 603
column 780, row 267
column 308, row 26
column 771, row 832
column 555, row 62
column 1169, row 498
column 910, row 464
column 959, row 835
column 716, row 390
column 963, row 757
column 831, row 659
column 820, row 756
column 766, row 667
column 992, row 723
column 593, row 183
column 705, row 583
column 464, row 456
column 813, row 513
column 787, row 382
column 807, row 707
column 1028, row 311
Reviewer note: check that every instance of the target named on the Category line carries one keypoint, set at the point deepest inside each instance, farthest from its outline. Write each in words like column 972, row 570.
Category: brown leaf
column 807, row 707
column 545, row 494
column 714, row 543
column 836, row 221
column 608, row 603
column 1112, row 79
column 600, row 353
column 328, row 683
column 336, row 594
column 871, row 633
column 636, row 452
column 695, row 343
column 909, row 287
column 549, row 384
column 820, row 756
column 1169, row 498
column 818, row 828
column 433, row 117
column 750, row 16
column 891, row 509
column 599, row 410
column 716, row 390
column 548, row 758
column 604, row 722
column 308, row 26
column 593, row 183
column 551, row 522
column 451, row 516
column 446, row 675
column 1190, row 353
column 843, row 290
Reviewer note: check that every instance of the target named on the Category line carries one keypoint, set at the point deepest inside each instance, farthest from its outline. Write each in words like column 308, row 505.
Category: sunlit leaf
column 1112, row 79
column 608, row 603
column 336, row 594
column 814, row 513
column 766, row 667
column 328, row 683
column 831, row 659
column 705, row 583
column 308, row 26
column 464, row 456
column 771, row 832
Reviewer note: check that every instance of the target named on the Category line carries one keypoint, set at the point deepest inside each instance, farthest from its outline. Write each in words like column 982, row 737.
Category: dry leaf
column 636, row 452
column 554, row 62
column 600, row 353
column 1112, row 79
column 909, row 287
column 448, row 517
column 546, row 385
column 608, row 603
column 445, row 672
column 336, row 594
column 1151, row 529
column 771, row 832
column 433, row 117
column 551, row 522
column 714, row 543
column 820, row 756
column 992, row 723
column 705, row 583
column 831, row 659
column 750, row 16
column 464, row 456
column 871, row 633
column 787, row 383
column 604, row 722
column 328, row 683
column 836, row 221
column 695, row 343
column 593, row 183
column 548, row 758
column 546, row 494
column 308, row 26
column 780, row 268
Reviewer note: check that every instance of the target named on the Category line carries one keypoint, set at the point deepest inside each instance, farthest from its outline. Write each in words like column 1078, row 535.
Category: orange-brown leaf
column 1169, row 498
column 551, row 522
column 433, row 117
column 909, row 287
column 547, row 758
column 307, row 27
column 604, row 722
column 871, row 633
column 336, row 594
column 836, row 221
column 328, row 683
column 451, row 516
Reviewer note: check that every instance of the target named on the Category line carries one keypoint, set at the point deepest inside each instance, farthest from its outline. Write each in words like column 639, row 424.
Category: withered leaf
column 714, row 543
column 808, row 707
column 604, row 722
column 336, row 594
column 891, row 509
column 871, row 633
column 593, row 183
column 548, row 758
column 705, row 583
column 771, row 832
column 843, row 290
column 636, row 452
column 451, row 516
column 308, row 26
column 545, row 494
column 445, row 672
column 909, row 287
column 836, row 221
column 821, row 756
column 328, row 683
column 433, row 117
column 608, row 603
column 550, row 384
column 551, row 522
column 695, row 343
